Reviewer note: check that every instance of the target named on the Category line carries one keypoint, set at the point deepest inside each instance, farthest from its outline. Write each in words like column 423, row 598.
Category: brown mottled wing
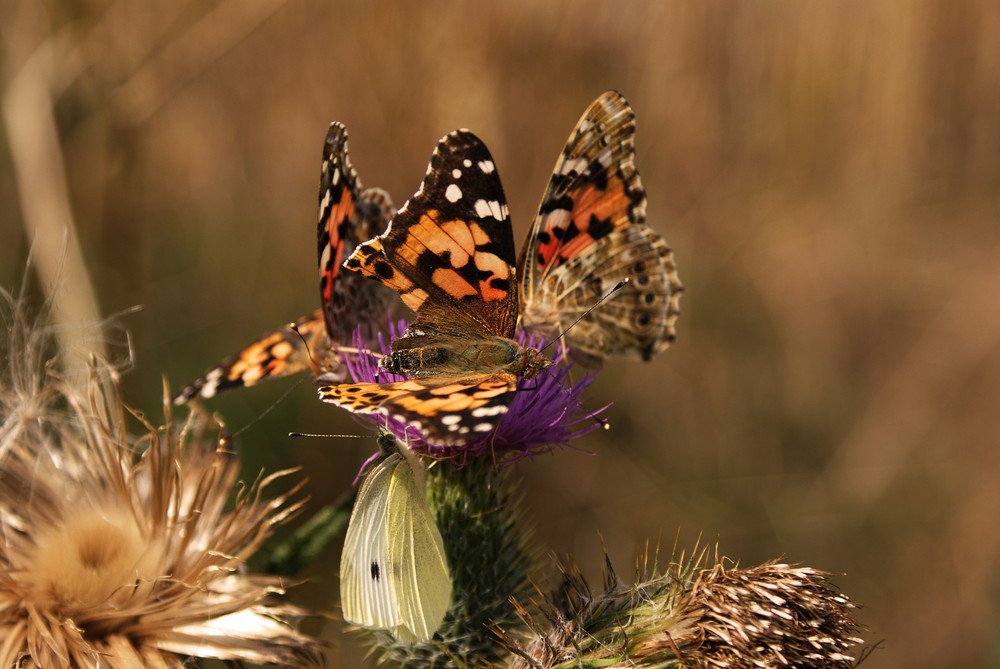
column 449, row 251
column 588, row 235
column 447, row 411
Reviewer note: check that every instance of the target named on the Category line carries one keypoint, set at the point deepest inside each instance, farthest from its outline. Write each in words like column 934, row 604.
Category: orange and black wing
column 449, row 251
column 345, row 212
column 277, row 354
column 447, row 412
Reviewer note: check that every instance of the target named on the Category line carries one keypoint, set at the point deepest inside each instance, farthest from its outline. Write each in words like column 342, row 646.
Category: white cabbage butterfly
column 393, row 571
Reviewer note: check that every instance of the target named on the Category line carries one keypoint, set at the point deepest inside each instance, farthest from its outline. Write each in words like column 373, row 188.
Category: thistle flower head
column 547, row 411
column 124, row 552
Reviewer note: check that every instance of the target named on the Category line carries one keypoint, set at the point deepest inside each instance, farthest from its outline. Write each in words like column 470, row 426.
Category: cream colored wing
column 416, row 553
column 367, row 587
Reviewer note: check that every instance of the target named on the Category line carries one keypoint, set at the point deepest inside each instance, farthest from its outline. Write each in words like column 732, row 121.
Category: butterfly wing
column 367, row 585
column 375, row 210
column 416, row 550
column 446, row 411
column 588, row 235
column 344, row 212
column 277, row 354
column 449, row 251
column 638, row 320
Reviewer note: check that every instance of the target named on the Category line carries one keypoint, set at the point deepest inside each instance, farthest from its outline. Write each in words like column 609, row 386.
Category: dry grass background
column 827, row 174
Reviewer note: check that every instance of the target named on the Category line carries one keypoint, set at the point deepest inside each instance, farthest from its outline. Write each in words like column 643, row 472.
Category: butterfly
column 449, row 253
column 393, row 570
column 345, row 213
column 588, row 235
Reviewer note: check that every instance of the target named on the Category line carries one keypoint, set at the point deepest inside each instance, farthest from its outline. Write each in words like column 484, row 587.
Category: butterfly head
column 530, row 363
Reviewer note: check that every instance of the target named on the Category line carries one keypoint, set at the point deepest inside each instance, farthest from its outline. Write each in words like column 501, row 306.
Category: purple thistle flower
column 547, row 411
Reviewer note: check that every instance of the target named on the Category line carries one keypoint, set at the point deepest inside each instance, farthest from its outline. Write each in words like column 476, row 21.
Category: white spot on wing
column 467, row 162
column 579, row 166
column 212, row 382
column 336, row 177
column 491, row 208
column 494, row 410
column 325, row 203
column 453, row 193
column 482, row 427
column 457, row 173
column 486, row 166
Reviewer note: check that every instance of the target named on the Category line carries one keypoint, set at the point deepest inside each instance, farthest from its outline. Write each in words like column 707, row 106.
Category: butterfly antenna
column 294, row 327
column 618, row 286
column 603, row 422
column 224, row 440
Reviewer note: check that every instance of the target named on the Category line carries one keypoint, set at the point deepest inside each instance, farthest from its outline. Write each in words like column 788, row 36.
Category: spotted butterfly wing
column 447, row 411
column 277, row 354
column 449, row 253
column 589, row 234
column 345, row 212
column 393, row 570
column 347, row 215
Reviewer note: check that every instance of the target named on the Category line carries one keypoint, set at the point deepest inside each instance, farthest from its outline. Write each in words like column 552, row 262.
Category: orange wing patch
column 332, row 254
column 370, row 260
column 451, row 282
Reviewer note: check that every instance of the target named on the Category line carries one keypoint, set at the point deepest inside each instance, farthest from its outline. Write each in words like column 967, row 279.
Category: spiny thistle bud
column 773, row 615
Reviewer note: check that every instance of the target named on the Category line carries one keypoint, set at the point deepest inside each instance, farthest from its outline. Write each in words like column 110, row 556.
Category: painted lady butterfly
column 588, row 235
column 449, row 253
column 345, row 212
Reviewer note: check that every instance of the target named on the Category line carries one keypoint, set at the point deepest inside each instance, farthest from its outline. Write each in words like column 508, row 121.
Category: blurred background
column 828, row 175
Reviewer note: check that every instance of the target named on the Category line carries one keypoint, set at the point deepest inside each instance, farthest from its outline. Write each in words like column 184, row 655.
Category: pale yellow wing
column 367, row 590
column 416, row 554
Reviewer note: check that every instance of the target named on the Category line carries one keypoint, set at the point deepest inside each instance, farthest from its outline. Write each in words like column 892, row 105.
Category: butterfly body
column 444, row 355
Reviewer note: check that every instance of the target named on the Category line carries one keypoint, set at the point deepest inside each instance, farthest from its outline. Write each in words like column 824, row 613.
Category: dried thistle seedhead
column 123, row 552
column 774, row 615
